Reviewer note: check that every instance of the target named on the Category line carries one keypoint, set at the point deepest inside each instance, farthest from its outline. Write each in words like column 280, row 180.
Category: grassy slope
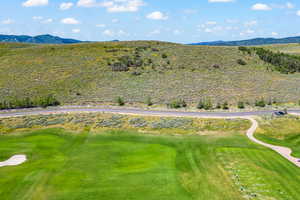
column 281, row 131
column 80, row 73
column 122, row 165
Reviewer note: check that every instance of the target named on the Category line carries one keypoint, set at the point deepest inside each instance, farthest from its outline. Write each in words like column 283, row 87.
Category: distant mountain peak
column 39, row 39
column 251, row 42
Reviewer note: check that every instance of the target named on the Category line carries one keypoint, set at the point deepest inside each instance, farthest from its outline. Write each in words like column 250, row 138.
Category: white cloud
column 274, row 34
column 114, row 5
column 66, row 5
column 112, row 33
column 155, row 32
column 250, row 23
column 69, row 21
column 47, row 21
column 115, row 21
column 289, row 5
column 220, row 1
column 247, row 32
column 177, row 32
column 298, row 12
column 210, row 23
column 157, row 16
column 125, row 6
column 101, row 25
column 8, row 21
column 87, row 3
column 31, row 3
column 261, row 6
column 76, row 30
column 37, row 17
column 109, row 33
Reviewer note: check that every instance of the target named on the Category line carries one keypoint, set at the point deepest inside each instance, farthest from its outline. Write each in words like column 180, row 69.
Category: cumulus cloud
column 31, row 3
column 76, row 30
column 47, row 21
column 8, row 21
column 66, row 5
column 211, row 23
column 112, row 33
column 114, row 5
column 250, row 23
column 37, row 17
column 70, row 21
column 261, row 6
column 247, row 32
column 157, row 16
column 274, row 34
column 289, row 5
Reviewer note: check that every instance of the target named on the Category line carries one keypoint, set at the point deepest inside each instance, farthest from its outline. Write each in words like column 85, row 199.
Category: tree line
column 284, row 63
column 15, row 103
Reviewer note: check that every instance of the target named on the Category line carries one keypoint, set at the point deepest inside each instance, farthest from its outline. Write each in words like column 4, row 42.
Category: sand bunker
column 14, row 160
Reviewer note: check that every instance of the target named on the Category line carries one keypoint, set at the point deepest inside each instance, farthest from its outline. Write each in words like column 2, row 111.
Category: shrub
column 216, row 66
column 45, row 101
column 218, row 106
column 200, row 104
column 164, row 56
column 241, row 62
column 208, row 105
column 120, row 101
column 225, row 106
column 149, row 101
column 177, row 104
column 241, row 105
column 245, row 49
column 138, row 122
column 260, row 103
column 172, row 123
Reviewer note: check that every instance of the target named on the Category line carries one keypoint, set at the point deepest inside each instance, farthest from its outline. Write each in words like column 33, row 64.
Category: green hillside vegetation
column 116, row 164
column 136, row 71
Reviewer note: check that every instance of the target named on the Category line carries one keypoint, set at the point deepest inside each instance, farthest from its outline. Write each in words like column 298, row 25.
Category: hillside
column 100, row 72
column 40, row 39
column 252, row 42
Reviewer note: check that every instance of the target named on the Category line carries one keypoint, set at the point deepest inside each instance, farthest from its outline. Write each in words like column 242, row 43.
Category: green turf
column 123, row 165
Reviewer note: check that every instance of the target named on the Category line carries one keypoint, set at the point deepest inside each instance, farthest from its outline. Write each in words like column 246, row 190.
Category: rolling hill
column 40, row 39
column 88, row 73
column 252, row 42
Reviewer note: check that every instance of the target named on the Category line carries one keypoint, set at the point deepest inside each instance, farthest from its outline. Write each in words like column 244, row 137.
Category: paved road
column 72, row 109
column 283, row 151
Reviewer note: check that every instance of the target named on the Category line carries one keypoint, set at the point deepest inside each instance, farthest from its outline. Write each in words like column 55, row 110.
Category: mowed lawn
column 120, row 165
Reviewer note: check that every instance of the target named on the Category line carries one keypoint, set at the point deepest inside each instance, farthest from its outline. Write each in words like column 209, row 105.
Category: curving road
column 283, row 151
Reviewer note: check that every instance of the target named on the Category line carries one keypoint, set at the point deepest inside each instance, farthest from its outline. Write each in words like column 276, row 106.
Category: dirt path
column 283, row 151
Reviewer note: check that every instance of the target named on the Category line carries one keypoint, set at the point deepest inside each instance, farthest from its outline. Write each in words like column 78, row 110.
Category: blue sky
column 169, row 20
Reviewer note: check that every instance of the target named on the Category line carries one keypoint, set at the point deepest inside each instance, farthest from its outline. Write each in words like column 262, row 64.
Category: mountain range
column 250, row 42
column 40, row 39
column 50, row 39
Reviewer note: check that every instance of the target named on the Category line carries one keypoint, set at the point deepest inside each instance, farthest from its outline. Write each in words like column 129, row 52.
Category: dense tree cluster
column 14, row 103
column 284, row 63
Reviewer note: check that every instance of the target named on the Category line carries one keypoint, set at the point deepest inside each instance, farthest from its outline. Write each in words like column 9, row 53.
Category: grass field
column 283, row 131
column 120, row 164
column 80, row 74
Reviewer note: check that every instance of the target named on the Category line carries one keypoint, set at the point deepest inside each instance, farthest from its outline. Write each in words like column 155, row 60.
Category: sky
column 182, row 21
